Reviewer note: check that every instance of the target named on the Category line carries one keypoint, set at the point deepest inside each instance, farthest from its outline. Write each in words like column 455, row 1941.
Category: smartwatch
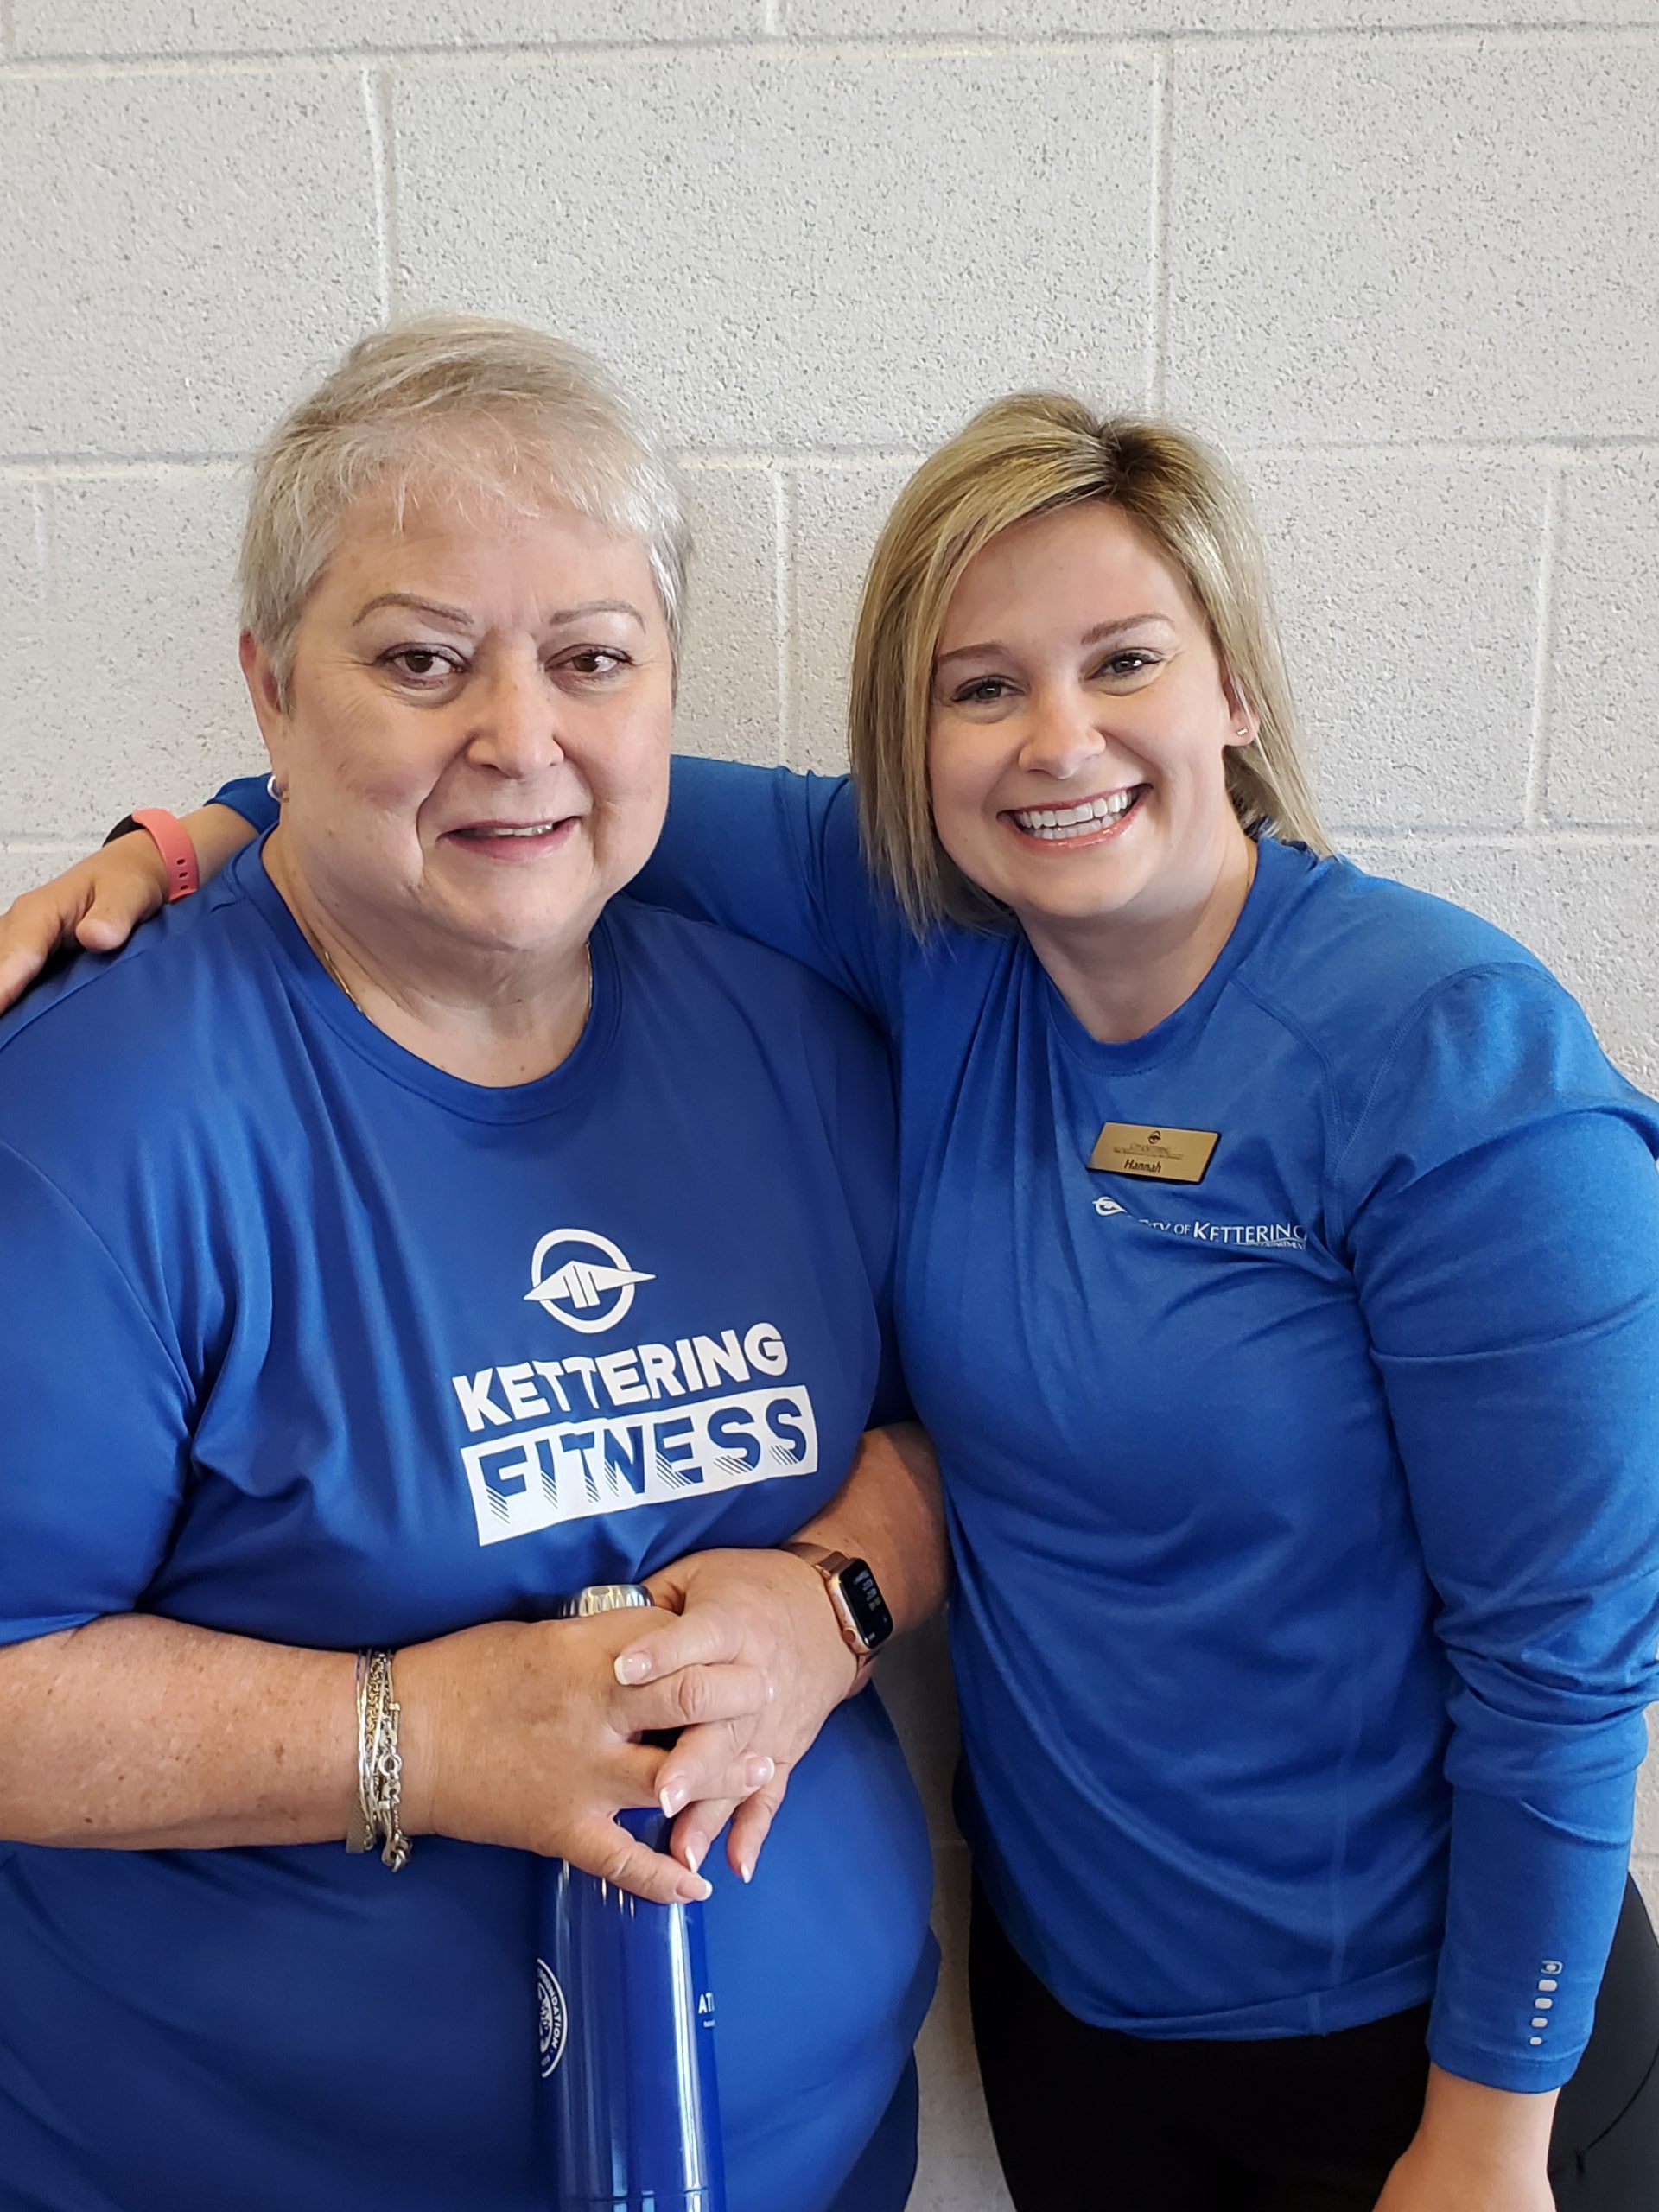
column 861, row 1611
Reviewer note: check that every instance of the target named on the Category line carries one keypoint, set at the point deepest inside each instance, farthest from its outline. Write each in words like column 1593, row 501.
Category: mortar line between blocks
column 1587, row 837
column 83, row 467
column 1157, row 366
column 824, row 459
column 775, row 47
column 1543, row 656
column 377, row 102
column 783, row 539
column 848, row 46
column 828, row 460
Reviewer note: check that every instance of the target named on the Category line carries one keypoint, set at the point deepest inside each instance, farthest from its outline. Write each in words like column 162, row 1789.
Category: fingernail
column 745, row 1868
column 632, row 1667
column 696, row 1890
column 759, row 1771
column 674, row 1794
column 693, row 1854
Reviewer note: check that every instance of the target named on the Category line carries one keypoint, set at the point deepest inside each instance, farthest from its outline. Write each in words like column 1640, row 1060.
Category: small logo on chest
column 581, row 1279
column 1278, row 1236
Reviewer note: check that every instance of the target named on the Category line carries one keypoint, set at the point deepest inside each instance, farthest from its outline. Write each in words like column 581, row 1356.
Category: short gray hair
column 471, row 408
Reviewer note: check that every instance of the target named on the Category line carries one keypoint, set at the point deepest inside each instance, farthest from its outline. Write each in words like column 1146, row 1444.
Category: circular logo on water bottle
column 551, row 2018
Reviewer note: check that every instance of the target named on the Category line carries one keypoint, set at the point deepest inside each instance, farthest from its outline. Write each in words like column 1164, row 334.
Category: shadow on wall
column 957, row 2170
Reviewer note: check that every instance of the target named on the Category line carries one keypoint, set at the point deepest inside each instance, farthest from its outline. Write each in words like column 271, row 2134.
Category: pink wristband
column 172, row 844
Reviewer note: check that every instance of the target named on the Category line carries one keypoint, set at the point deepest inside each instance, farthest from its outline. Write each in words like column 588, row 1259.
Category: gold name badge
column 1167, row 1155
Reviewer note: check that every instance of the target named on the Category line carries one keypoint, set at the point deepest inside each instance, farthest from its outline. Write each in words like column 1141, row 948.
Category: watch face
column 864, row 1603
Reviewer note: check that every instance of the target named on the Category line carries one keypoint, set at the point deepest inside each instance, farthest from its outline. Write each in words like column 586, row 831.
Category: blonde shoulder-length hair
column 1027, row 456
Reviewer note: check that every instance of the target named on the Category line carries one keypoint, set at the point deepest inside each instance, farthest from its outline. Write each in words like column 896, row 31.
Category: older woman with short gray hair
column 466, row 1233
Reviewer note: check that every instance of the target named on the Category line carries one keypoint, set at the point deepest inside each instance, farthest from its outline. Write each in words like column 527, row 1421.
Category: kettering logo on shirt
column 595, row 1267
column 645, row 1429
column 1282, row 1235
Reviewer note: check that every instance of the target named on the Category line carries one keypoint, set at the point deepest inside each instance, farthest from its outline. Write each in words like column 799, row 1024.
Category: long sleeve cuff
column 1534, row 1900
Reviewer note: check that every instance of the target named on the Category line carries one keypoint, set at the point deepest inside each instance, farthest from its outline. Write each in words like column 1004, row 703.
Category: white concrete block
column 25, row 657
column 958, row 2170
column 135, row 696
column 795, row 246
column 22, row 867
column 836, row 515
column 731, row 693
column 1647, row 1804
column 1416, row 237
column 1407, row 585
column 1603, row 722
column 1025, row 19
column 1588, row 907
column 160, row 27
column 1646, row 1870
column 180, row 255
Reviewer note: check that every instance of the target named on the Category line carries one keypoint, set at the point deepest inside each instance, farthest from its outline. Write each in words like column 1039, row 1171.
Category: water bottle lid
column 601, row 1597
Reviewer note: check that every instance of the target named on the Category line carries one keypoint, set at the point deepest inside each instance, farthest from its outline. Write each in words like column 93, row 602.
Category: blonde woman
column 1279, row 1283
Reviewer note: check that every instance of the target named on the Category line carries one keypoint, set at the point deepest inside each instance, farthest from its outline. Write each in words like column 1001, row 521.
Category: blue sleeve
column 1503, row 1221
column 864, row 1136
column 776, row 856
column 97, row 1420
column 247, row 795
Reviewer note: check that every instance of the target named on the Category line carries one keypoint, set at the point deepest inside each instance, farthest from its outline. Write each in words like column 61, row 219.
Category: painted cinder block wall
column 1401, row 256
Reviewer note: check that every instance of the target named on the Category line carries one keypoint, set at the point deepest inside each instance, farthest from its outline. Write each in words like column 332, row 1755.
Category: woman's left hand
column 1478, row 2149
column 1429, row 2181
column 764, row 1609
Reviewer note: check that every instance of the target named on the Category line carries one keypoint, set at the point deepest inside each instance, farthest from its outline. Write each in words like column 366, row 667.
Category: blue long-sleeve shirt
column 1306, row 1518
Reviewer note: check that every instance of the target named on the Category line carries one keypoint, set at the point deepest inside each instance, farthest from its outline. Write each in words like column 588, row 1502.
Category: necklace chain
column 329, row 962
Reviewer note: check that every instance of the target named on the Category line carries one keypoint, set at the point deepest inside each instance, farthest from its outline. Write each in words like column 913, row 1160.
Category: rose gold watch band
column 828, row 1565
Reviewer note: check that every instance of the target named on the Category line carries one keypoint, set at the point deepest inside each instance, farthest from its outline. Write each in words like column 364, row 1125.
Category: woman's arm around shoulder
column 776, row 855
column 96, row 905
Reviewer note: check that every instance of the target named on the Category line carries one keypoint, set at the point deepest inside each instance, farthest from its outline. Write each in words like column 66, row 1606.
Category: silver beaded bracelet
column 375, row 1818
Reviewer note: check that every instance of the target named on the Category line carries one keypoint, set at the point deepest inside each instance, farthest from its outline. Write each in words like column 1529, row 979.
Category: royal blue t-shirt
column 305, row 1339
column 1306, row 1518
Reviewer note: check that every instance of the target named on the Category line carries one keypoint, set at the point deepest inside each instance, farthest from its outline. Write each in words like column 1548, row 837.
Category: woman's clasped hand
column 768, row 1607
column 520, row 1733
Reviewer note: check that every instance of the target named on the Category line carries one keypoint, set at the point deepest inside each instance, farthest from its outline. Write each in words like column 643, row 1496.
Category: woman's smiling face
column 1080, row 727
column 474, row 737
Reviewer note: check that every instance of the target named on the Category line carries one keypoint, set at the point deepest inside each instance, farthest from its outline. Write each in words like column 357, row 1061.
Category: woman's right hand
column 518, row 1733
column 97, row 904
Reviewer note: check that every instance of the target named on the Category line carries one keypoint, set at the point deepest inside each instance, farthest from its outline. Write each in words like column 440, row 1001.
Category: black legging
column 1085, row 2115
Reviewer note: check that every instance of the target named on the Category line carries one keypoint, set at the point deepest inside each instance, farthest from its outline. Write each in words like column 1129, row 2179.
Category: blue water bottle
column 630, row 2111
